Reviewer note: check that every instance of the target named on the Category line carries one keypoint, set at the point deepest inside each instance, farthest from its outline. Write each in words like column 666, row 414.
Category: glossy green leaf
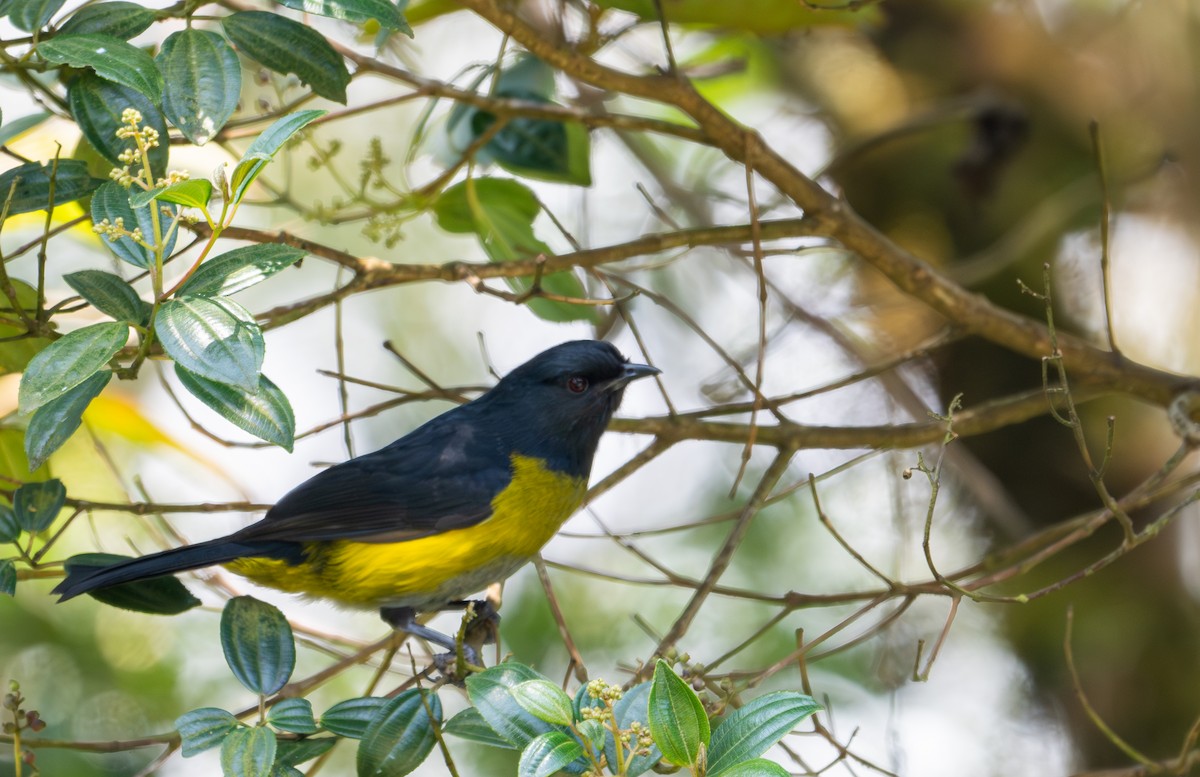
column 548, row 754
column 240, row 269
column 192, row 193
column 203, row 82
column 258, row 644
column 349, row 718
column 677, row 719
column 14, row 128
column 490, row 692
column 264, row 148
column 69, row 361
column 248, row 752
column 386, row 13
column 633, row 706
column 264, row 412
column 111, row 202
column 111, row 58
column 296, row 751
column 287, row 46
column 36, row 505
column 16, row 353
column 156, row 596
column 110, row 294
column 294, row 715
column 470, row 725
column 118, row 18
column 30, row 185
column 213, row 337
column 758, row 767
column 33, row 15
column 10, row 530
column 203, row 729
column 749, row 731
column 8, row 577
column 594, row 732
column 544, row 700
column 97, row 105
column 400, row 736
column 281, row 769
column 53, row 423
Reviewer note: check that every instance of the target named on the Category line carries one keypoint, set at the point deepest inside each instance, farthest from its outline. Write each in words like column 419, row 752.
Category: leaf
column 54, row 422
column 356, row 11
column 16, row 354
column 470, row 725
column 750, row 731
column 286, row 46
column 36, row 505
column 400, row 736
column 214, row 337
column 758, row 767
column 258, row 644
column 203, row 729
column 294, row 715
column 545, row 700
column 633, row 705
column 69, row 361
column 203, row 82
column 30, row 185
column 10, row 530
column 240, row 269
column 192, row 193
column 264, row 412
column 349, row 718
column 10, row 131
column 119, row 19
column 594, row 732
column 111, row 202
column 548, row 754
column 296, row 751
column 248, row 752
column 264, row 148
column 33, row 15
column 156, row 596
column 678, row 722
column 97, row 106
column 8, row 577
column 111, row 58
column 490, row 693
column 110, row 294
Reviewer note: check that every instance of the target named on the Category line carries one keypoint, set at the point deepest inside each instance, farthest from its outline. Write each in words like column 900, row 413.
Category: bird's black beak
column 630, row 373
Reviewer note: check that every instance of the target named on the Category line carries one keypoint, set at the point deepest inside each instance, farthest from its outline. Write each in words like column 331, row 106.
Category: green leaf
column 36, row 505
column 297, row 751
column 30, row 185
column 490, row 693
column 12, row 130
column 527, row 76
column 349, row 718
column 119, row 19
column 248, row 752
column 69, row 361
column 356, row 11
column 750, row 731
column 678, row 722
column 548, row 754
column 192, row 193
column 758, row 767
column 545, row 700
column 264, row 148
column 633, row 705
column 10, row 530
column 594, row 732
column 294, row 715
column 33, row 15
column 286, row 46
column 400, row 736
column 470, row 725
column 8, row 577
column 111, row 202
column 240, row 269
column 264, row 412
column 111, row 58
column 54, row 422
column 16, row 354
column 97, row 105
column 156, row 596
column 203, row 729
column 214, row 337
column 203, row 82
column 258, row 644
column 110, row 294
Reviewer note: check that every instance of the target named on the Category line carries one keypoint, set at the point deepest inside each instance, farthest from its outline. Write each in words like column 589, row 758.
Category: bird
column 457, row 504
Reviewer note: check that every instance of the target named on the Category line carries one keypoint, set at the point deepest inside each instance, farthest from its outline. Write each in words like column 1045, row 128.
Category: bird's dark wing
column 440, row 477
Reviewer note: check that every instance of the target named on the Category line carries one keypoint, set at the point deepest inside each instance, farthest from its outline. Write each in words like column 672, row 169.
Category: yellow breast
column 428, row 572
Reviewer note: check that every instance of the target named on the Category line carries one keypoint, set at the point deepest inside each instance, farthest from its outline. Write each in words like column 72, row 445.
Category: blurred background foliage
column 958, row 128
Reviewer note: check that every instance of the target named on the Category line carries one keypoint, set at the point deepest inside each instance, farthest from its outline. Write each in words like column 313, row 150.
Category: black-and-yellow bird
column 461, row 502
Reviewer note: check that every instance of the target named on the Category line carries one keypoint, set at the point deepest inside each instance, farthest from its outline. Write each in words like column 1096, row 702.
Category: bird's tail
column 82, row 579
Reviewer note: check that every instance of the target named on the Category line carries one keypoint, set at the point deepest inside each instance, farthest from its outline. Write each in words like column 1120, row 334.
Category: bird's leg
column 405, row 619
column 486, row 617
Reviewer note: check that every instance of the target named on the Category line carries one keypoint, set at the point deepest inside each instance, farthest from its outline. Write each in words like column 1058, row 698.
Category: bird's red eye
column 577, row 384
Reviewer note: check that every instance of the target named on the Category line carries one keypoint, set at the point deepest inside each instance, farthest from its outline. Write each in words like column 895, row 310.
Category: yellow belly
column 431, row 571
